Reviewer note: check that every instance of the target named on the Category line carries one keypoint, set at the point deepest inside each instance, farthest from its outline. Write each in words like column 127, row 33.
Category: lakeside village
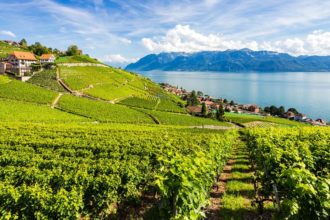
column 207, row 106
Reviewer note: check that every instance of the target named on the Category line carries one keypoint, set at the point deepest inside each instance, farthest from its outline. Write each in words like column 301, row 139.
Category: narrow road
column 53, row 105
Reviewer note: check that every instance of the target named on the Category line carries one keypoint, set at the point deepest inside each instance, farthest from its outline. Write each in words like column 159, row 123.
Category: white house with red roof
column 21, row 62
column 47, row 58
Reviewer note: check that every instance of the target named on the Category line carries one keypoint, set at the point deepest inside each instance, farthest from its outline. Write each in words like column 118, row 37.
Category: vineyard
column 98, row 171
column 292, row 169
column 16, row 90
column 102, row 111
column 47, row 79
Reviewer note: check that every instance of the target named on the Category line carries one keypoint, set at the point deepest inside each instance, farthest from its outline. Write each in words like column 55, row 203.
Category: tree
column 273, row 110
column 199, row 93
column 280, row 111
column 38, row 49
column 23, row 43
column 204, row 111
column 73, row 50
column 232, row 103
column 267, row 109
column 220, row 113
column 192, row 99
column 225, row 101
column 293, row 110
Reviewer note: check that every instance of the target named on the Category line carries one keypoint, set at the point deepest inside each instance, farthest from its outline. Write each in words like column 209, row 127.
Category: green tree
column 280, row 111
column 293, row 110
column 204, row 111
column 220, row 113
column 232, row 103
column 192, row 99
column 73, row 50
column 23, row 43
column 225, row 101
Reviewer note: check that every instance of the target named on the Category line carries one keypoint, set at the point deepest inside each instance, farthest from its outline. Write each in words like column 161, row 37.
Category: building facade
column 21, row 62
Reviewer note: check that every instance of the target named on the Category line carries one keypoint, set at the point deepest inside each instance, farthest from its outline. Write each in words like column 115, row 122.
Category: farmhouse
column 21, row 62
column 47, row 58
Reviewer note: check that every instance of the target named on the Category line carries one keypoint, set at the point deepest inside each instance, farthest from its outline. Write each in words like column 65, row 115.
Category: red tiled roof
column 46, row 56
column 24, row 55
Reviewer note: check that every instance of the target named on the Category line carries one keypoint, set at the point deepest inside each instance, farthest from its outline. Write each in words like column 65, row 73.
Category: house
column 21, row 62
column 289, row 115
column 4, row 67
column 321, row 121
column 300, row 117
column 47, row 58
column 253, row 108
column 194, row 110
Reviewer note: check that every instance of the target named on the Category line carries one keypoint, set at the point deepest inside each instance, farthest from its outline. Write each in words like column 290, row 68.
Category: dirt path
column 53, row 105
column 232, row 197
column 218, row 191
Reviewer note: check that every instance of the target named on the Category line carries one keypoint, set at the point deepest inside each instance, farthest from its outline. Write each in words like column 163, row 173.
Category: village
column 212, row 104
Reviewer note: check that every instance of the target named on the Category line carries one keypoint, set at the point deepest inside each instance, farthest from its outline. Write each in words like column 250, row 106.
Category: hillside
column 85, row 141
column 6, row 49
column 232, row 61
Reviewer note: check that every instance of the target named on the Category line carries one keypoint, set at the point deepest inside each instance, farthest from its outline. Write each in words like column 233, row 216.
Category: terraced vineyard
column 117, row 85
column 102, row 111
column 167, row 118
column 16, row 90
column 47, row 79
column 97, row 171
column 18, row 111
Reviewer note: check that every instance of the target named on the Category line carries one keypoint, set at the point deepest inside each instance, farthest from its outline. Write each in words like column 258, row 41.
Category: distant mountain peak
column 231, row 61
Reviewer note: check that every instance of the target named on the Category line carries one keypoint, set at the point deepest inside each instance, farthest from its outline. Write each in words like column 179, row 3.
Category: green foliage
column 167, row 118
column 296, row 162
column 17, row 90
column 38, row 49
column 73, row 50
column 70, row 171
column 47, row 79
column 192, row 99
column 102, row 111
column 16, row 111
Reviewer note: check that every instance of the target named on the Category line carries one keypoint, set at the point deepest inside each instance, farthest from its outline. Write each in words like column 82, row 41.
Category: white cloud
column 117, row 58
column 7, row 33
column 183, row 38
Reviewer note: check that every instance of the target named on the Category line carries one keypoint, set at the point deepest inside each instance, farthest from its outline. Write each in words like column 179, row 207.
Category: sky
column 122, row 31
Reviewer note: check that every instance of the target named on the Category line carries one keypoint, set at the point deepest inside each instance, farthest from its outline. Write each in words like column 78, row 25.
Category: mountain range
column 232, row 61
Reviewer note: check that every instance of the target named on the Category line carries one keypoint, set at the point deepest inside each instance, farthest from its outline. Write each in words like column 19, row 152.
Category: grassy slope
column 6, row 49
column 16, row 90
column 76, row 59
column 167, row 118
column 17, row 111
column 246, row 119
column 102, row 111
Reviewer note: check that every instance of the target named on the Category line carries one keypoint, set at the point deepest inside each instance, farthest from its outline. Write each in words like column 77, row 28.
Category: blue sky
column 121, row 31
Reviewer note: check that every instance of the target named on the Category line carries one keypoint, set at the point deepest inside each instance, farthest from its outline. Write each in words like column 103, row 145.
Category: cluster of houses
column 19, row 63
column 303, row 118
column 213, row 104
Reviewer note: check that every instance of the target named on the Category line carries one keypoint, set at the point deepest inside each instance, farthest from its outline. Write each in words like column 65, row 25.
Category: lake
column 308, row 92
